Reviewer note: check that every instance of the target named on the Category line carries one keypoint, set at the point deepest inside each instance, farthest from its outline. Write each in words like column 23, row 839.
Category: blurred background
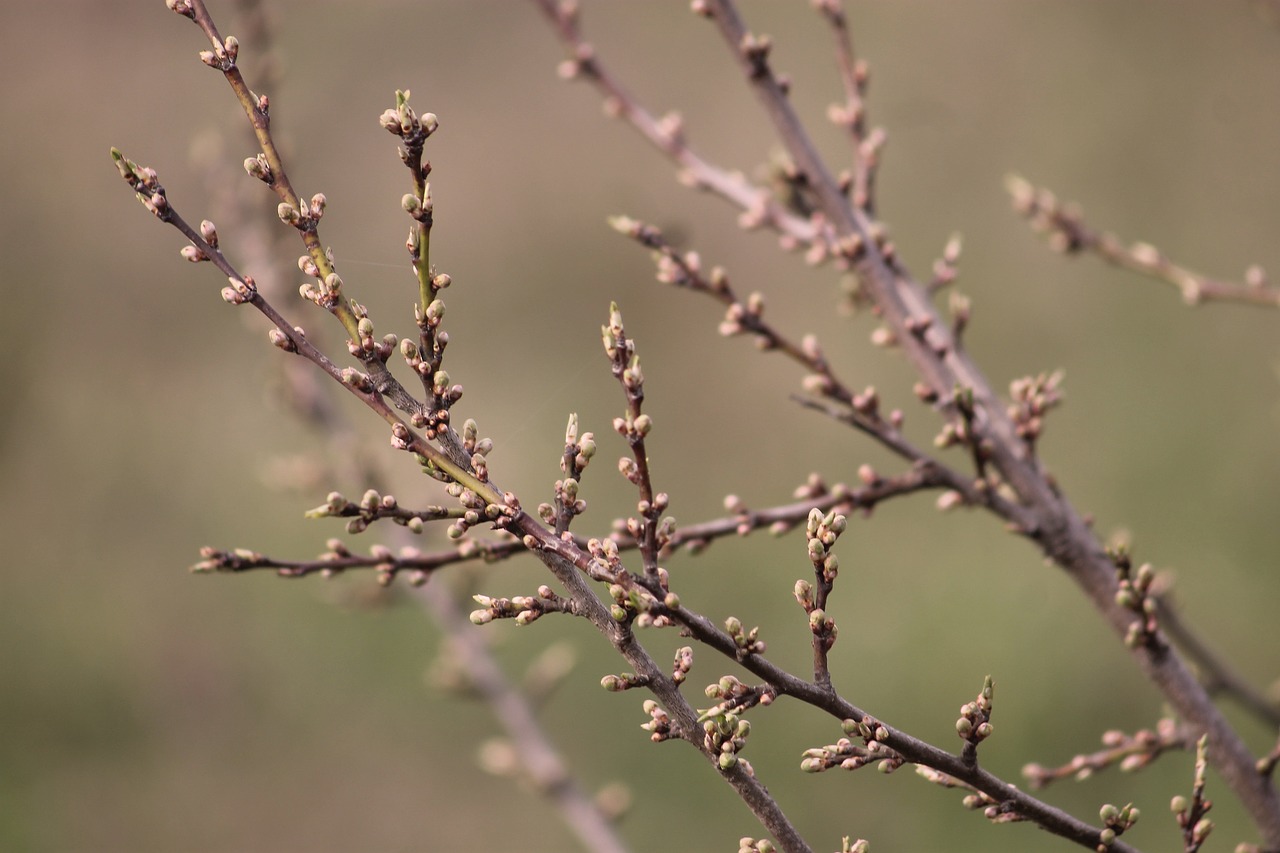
column 143, row 708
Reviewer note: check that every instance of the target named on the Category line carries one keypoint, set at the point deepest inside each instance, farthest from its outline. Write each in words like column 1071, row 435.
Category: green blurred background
column 145, row 709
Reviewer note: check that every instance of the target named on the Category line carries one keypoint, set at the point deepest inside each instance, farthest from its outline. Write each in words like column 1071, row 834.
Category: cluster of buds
column 304, row 217
column 365, row 347
column 747, row 844
column 387, row 567
column 1190, row 814
column 724, row 729
column 1031, row 398
column 974, row 724
column 223, row 56
column 621, row 351
column 649, row 513
column 1115, row 821
column 566, row 498
column 144, row 181
column 606, row 563
column 577, row 455
column 522, row 608
column 645, row 234
column 239, row 289
column 236, row 560
column 477, row 510
column 326, row 292
column 683, row 664
column 633, row 428
column 471, row 440
column 659, row 725
column 821, row 532
column 259, row 167
column 1134, row 593
column 747, row 640
column 634, row 603
column 625, row 681
column 421, row 209
column 1062, row 223
column 402, row 121
column 373, row 506
column 196, row 253
column 847, row 754
column 679, row 270
column 742, row 317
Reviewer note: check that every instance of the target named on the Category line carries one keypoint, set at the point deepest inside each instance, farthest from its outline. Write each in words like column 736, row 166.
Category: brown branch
column 1068, row 233
column 667, row 135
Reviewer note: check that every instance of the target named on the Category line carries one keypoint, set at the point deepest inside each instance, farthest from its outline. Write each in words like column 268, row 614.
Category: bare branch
column 1068, row 233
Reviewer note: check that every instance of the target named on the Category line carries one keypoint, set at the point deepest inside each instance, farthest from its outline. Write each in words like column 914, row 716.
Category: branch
column 1129, row 752
column 760, row 209
column 1067, row 232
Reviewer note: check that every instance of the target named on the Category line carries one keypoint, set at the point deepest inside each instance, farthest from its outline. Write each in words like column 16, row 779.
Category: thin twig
column 1068, row 233
column 667, row 134
column 853, row 114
